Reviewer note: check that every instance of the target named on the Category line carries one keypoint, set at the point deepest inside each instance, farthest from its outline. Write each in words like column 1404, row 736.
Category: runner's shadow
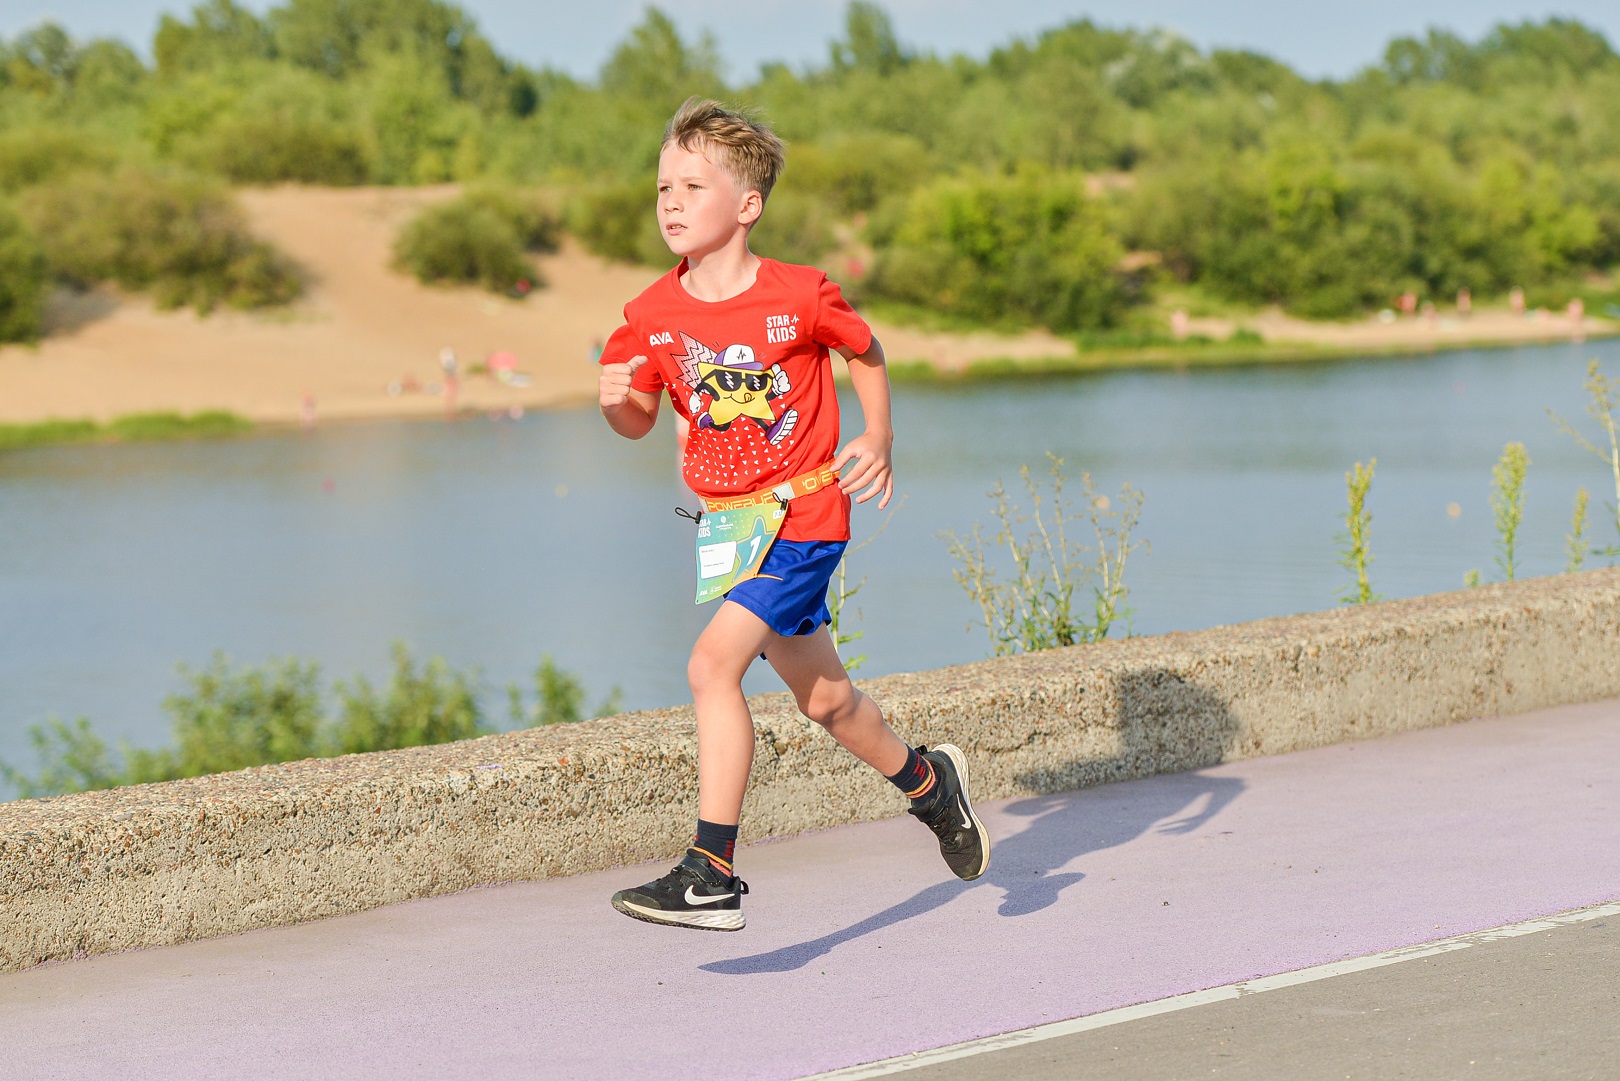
column 1158, row 711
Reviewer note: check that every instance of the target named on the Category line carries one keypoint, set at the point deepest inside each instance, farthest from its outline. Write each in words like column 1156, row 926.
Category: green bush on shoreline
column 233, row 717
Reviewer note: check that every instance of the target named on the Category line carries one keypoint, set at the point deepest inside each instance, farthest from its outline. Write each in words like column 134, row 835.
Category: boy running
column 741, row 344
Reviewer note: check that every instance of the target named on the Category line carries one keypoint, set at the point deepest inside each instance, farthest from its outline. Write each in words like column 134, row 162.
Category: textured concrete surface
column 1524, row 1009
column 166, row 863
column 859, row 946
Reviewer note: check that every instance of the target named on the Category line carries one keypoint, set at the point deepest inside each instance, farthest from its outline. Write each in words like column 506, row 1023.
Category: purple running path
column 859, row 948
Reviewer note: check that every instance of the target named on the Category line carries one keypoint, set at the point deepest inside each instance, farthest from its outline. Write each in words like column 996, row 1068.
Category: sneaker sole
column 731, row 920
column 959, row 760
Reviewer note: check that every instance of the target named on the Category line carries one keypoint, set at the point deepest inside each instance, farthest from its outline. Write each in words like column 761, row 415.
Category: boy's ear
column 752, row 207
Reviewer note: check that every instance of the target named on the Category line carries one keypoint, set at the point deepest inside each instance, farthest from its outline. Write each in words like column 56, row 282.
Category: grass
column 130, row 428
column 1237, row 351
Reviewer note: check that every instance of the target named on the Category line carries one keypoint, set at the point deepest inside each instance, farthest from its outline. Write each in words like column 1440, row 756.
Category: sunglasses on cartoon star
column 732, row 379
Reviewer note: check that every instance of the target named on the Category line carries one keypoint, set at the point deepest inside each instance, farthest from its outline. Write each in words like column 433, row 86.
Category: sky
column 1319, row 39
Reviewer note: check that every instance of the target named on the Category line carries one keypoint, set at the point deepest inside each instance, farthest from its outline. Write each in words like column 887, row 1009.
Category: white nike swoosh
column 699, row 899
column 967, row 823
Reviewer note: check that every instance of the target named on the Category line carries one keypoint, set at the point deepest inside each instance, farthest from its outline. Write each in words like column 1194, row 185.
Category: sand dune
column 362, row 326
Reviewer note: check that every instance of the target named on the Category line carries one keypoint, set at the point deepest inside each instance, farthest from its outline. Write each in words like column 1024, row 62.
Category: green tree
column 24, row 281
column 1031, row 246
column 220, row 32
column 869, row 41
column 656, row 69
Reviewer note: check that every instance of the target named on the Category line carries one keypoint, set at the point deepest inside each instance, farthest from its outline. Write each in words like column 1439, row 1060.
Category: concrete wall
column 163, row 863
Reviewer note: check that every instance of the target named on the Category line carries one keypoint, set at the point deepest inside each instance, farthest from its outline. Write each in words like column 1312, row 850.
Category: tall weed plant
column 1507, row 505
column 1036, row 587
column 1355, row 552
column 1603, row 395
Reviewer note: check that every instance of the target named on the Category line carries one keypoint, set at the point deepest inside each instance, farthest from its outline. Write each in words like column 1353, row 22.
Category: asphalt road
column 860, row 946
column 1542, row 1007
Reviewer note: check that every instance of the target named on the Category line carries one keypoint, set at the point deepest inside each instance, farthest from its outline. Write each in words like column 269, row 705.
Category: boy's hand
column 873, row 468
column 613, row 385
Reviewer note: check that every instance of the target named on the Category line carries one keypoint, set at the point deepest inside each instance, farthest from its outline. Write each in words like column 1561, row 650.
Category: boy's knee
column 709, row 668
column 828, row 704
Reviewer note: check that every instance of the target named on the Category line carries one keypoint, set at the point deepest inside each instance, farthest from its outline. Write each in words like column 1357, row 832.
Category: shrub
column 1032, row 247
column 478, row 238
column 268, row 149
column 559, row 698
column 856, row 172
column 234, row 718
column 33, row 155
column 620, row 222
column 231, row 717
column 796, row 228
column 24, row 281
column 434, row 705
column 178, row 236
column 538, row 226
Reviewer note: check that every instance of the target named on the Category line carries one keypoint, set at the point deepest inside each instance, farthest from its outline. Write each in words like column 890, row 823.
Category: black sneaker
column 694, row 894
column 948, row 811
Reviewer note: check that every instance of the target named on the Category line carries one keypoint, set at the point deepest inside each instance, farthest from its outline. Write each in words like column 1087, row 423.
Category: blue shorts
column 790, row 591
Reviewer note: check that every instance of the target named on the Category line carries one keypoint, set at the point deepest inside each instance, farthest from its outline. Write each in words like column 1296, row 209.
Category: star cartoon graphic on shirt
column 732, row 384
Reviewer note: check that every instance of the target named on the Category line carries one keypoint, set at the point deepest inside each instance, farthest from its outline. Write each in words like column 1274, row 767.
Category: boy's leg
column 701, row 891
column 731, row 641
column 810, row 666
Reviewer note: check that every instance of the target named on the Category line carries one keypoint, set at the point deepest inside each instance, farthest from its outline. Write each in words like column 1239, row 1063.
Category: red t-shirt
column 753, row 376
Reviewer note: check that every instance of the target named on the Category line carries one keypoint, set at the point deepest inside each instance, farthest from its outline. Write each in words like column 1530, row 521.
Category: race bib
column 731, row 544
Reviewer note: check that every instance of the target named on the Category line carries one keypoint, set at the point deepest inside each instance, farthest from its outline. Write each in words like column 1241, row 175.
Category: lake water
column 492, row 542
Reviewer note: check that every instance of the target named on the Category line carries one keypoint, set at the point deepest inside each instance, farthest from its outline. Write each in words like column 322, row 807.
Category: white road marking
column 1214, row 994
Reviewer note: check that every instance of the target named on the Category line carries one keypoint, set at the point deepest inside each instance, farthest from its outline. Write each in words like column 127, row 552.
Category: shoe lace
column 941, row 818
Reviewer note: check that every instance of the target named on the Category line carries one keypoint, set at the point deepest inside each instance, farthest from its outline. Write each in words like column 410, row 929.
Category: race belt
column 803, row 484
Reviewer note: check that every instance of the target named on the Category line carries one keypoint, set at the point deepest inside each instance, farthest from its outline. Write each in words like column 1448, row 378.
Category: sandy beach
column 365, row 340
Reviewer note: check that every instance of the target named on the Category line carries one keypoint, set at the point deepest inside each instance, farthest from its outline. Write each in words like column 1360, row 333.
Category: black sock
column 916, row 777
column 716, row 843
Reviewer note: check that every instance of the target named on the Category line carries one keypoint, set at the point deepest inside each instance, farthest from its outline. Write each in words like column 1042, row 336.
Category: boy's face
column 701, row 208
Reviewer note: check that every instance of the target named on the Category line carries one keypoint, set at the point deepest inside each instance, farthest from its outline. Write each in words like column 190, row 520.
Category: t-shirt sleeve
column 622, row 347
column 837, row 324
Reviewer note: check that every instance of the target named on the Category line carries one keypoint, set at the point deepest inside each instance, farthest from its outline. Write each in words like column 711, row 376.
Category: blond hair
column 746, row 149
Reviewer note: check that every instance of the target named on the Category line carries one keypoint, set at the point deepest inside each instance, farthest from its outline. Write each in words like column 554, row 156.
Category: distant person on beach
column 742, row 344
column 1465, row 301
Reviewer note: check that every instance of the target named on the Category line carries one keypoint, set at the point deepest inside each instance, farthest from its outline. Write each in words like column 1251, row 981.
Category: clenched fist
column 613, row 386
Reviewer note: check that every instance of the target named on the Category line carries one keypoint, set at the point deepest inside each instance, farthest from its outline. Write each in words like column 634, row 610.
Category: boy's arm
column 871, row 451
column 629, row 411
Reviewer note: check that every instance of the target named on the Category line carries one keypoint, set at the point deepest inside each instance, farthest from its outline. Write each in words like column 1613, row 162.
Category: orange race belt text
column 803, row 484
